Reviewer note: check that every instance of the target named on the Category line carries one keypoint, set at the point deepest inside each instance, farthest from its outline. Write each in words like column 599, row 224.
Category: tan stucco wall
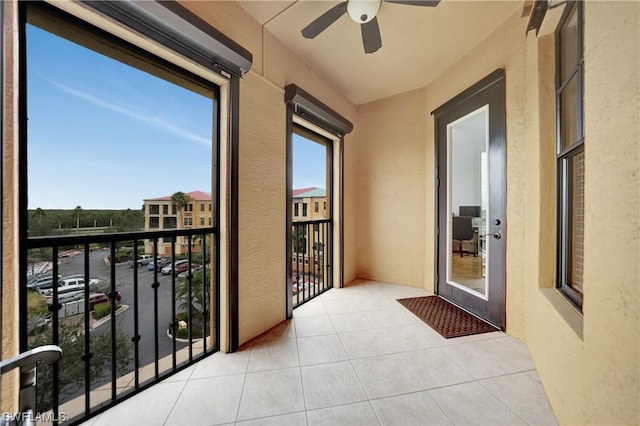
column 262, row 180
column 389, row 190
column 8, row 390
column 589, row 364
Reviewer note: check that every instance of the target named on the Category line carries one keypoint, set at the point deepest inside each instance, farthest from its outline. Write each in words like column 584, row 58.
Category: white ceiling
column 418, row 43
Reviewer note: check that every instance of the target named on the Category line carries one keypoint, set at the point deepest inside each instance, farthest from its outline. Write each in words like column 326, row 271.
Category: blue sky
column 102, row 134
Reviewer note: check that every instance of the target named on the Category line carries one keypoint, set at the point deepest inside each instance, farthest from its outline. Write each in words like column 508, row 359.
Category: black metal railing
column 157, row 321
column 310, row 260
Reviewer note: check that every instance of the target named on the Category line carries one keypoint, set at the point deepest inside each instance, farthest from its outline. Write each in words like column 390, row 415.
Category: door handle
column 495, row 235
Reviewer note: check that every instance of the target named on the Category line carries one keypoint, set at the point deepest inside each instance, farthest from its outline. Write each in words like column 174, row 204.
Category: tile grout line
column 244, row 380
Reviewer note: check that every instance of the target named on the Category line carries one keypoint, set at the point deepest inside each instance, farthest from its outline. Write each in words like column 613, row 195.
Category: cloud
column 156, row 122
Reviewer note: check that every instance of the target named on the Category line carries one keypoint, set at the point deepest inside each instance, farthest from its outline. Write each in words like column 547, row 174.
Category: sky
column 105, row 135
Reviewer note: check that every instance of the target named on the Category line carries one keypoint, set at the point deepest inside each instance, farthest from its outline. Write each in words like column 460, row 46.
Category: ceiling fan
column 364, row 13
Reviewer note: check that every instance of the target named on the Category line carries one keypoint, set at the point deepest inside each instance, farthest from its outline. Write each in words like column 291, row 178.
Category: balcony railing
column 156, row 323
column 310, row 260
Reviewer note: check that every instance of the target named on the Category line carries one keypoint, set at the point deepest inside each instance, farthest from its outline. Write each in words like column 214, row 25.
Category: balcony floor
column 351, row 356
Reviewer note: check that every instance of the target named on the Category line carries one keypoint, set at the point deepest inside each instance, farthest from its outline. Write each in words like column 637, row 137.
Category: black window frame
column 566, row 152
column 165, row 209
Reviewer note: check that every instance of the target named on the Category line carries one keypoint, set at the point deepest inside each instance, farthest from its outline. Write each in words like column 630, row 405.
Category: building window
column 316, row 207
column 190, row 207
column 202, row 219
column 210, row 221
column 174, row 209
column 324, row 205
column 154, row 209
column 296, row 210
column 304, row 209
column 316, row 227
column 154, row 222
column 570, row 152
column 202, row 207
column 165, row 209
column 169, row 223
column 209, row 206
column 188, row 221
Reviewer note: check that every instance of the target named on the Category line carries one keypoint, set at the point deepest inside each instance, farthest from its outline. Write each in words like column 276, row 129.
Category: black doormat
column 446, row 318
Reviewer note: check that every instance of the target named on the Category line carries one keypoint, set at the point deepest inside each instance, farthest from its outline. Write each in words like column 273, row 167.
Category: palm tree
column 39, row 213
column 180, row 200
column 77, row 211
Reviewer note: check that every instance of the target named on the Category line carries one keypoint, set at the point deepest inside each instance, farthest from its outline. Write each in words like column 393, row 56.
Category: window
column 202, row 207
column 296, row 210
column 316, row 207
column 190, row 207
column 165, row 209
column 188, row 221
column 202, row 220
column 210, row 221
column 169, row 223
column 174, row 209
column 570, row 152
column 154, row 209
column 304, row 209
column 209, row 206
column 154, row 222
column 324, row 205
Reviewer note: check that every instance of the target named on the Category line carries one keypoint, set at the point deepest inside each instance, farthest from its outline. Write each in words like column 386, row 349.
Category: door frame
column 489, row 90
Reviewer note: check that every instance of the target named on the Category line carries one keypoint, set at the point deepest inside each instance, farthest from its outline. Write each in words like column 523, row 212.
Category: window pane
column 569, row 110
column 569, row 45
column 576, row 237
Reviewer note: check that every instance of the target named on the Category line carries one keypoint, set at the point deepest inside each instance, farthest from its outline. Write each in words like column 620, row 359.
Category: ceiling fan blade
column 428, row 3
column 324, row 20
column 371, row 36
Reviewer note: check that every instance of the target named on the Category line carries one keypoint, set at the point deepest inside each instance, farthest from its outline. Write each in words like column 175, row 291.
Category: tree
column 180, row 201
column 199, row 299
column 77, row 211
column 71, row 368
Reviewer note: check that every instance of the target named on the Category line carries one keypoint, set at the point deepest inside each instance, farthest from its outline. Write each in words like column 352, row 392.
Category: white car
column 66, row 294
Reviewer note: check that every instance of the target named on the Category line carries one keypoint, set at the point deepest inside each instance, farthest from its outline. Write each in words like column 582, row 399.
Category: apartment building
column 309, row 239
column 161, row 213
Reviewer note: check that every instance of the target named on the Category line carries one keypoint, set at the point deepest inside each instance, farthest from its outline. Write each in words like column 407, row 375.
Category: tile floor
column 353, row 356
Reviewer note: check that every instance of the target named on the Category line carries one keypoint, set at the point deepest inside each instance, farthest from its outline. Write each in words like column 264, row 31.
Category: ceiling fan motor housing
column 363, row 11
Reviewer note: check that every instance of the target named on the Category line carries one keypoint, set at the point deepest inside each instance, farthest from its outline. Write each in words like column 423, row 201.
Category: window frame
column 564, row 182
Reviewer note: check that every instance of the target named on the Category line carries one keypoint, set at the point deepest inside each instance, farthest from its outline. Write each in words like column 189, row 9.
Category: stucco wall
column 590, row 364
column 262, row 168
column 390, row 189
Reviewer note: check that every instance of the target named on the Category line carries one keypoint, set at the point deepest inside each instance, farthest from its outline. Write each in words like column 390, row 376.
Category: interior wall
column 390, row 189
column 262, row 168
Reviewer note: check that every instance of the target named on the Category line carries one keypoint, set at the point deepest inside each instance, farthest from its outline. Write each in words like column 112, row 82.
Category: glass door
column 471, row 200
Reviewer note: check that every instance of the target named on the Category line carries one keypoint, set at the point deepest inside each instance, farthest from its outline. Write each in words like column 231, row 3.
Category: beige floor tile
column 273, row 354
column 433, row 368
column 320, row 349
column 360, row 413
column 511, row 349
column 327, row 385
column 524, row 396
column 284, row 330
column 350, row 321
column 409, row 409
column 406, row 337
column 339, row 306
column 209, row 401
column 471, row 404
column 385, row 375
column 310, row 309
column 314, row 326
column 271, row 393
column 294, row 419
column 364, row 343
column 478, row 361
column 222, row 364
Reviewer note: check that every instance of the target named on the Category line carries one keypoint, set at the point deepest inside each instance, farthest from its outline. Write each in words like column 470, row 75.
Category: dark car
column 184, row 267
column 97, row 298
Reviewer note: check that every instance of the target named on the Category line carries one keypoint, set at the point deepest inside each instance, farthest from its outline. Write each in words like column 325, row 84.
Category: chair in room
column 462, row 231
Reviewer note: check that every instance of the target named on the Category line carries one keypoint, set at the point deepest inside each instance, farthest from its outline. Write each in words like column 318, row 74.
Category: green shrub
column 36, row 304
column 182, row 333
column 101, row 310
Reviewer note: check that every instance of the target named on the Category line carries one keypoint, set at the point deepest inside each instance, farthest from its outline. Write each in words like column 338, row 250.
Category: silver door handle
column 495, row 235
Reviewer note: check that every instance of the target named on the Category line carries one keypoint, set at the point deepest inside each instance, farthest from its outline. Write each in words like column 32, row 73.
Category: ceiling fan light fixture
column 363, row 11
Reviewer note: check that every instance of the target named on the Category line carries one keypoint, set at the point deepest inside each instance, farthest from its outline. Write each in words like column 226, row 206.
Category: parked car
column 184, row 267
column 66, row 294
column 167, row 270
column 41, row 282
column 97, row 298
column 142, row 260
column 159, row 264
column 184, row 273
